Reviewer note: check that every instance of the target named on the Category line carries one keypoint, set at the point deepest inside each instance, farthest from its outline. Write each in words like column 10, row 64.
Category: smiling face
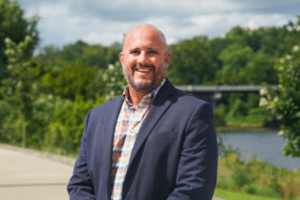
column 144, row 58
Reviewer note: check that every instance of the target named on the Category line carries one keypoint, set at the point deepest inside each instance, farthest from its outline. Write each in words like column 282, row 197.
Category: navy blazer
column 174, row 157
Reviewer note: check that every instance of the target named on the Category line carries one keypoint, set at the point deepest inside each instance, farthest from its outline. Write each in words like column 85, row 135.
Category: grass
column 228, row 195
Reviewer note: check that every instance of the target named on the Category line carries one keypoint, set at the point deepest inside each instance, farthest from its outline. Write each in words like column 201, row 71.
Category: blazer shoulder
column 106, row 105
column 190, row 99
column 101, row 110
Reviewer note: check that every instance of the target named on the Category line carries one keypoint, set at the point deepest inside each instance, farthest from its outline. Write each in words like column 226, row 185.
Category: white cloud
column 93, row 37
column 104, row 22
column 98, row 38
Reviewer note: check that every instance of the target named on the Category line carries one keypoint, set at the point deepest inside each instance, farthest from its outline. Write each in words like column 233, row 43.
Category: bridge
column 213, row 94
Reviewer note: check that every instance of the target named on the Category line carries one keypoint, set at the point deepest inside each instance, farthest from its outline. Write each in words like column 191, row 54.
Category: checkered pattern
column 127, row 127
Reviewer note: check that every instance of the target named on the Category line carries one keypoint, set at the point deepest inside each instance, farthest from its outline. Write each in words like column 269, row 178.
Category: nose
column 142, row 58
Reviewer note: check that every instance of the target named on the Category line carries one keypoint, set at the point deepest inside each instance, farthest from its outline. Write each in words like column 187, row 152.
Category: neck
column 136, row 96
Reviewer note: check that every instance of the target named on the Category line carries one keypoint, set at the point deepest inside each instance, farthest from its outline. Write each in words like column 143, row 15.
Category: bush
column 66, row 131
column 256, row 177
column 286, row 105
column 251, row 189
column 220, row 115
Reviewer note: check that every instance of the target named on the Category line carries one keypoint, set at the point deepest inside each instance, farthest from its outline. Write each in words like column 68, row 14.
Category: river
column 267, row 145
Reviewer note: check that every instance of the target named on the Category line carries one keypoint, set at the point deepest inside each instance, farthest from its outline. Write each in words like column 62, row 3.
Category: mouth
column 143, row 70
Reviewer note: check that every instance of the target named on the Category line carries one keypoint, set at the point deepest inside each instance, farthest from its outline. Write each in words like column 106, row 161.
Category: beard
column 145, row 85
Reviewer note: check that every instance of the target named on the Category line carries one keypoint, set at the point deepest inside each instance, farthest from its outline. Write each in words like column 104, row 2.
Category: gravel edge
column 54, row 157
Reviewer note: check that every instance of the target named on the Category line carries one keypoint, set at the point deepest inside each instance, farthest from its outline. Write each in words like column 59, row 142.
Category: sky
column 103, row 22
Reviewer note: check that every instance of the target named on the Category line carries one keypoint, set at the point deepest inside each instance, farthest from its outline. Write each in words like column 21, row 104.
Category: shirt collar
column 146, row 98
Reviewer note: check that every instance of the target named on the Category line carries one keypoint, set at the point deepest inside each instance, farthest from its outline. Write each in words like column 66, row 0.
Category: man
column 155, row 142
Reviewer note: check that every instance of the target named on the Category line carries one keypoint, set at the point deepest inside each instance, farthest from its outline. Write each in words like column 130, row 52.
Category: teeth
column 143, row 70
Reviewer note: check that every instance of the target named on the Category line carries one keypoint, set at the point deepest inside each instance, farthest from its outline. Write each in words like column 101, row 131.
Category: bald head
column 145, row 29
column 145, row 58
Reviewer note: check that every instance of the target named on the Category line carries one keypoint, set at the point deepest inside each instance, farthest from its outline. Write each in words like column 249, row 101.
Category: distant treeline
column 244, row 56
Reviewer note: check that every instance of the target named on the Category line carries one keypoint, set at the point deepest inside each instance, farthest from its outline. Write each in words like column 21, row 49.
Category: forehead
column 144, row 38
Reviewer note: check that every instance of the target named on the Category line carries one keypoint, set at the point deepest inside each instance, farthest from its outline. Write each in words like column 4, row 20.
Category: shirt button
column 132, row 131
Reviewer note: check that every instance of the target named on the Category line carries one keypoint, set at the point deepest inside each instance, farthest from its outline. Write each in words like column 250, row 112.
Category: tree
column 191, row 62
column 51, row 56
column 16, row 27
column 260, row 69
column 109, row 83
column 68, row 82
column 286, row 104
column 65, row 131
column 97, row 55
column 235, row 58
column 19, row 91
column 73, row 52
column 216, row 46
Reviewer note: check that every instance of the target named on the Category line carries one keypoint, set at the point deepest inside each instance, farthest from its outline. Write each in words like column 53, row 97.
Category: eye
column 152, row 52
column 134, row 51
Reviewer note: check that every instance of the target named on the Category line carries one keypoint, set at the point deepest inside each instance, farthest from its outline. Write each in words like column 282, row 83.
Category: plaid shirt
column 127, row 127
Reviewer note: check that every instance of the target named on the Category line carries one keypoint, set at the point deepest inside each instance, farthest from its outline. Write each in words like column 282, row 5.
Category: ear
column 168, row 57
column 121, row 57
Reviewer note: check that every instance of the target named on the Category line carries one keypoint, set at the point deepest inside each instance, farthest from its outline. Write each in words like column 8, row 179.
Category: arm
column 197, row 168
column 80, row 185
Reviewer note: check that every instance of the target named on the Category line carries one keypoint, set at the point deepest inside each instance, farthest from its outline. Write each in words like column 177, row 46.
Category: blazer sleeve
column 197, row 169
column 80, row 185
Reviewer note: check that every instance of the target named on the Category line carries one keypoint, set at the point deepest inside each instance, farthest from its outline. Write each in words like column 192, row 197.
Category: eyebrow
column 153, row 49
column 149, row 48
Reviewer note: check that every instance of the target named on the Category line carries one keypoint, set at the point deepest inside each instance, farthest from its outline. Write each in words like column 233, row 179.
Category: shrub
column 286, row 105
column 256, row 177
column 66, row 131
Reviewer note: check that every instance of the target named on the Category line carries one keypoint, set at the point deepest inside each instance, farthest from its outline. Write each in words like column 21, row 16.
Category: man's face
column 144, row 59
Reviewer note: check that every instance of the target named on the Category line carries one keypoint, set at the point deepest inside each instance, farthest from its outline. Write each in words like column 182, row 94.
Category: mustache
column 142, row 66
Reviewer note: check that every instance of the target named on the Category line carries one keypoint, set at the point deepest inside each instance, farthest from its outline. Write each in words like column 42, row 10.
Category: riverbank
column 256, row 177
column 232, row 127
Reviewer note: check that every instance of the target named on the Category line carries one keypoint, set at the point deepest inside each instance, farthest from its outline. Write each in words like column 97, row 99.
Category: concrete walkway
column 33, row 175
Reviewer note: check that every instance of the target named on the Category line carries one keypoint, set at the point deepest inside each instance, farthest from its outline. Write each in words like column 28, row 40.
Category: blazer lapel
column 158, row 107
column 107, row 140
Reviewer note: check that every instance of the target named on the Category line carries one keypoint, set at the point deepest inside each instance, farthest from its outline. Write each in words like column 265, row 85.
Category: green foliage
column 216, row 47
column 109, row 83
column 68, row 83
column 225, row 194
column 11, row 123
column 73, row 52
column 220, row 115
column 191, row 62
column 256, row 177
column 20, row 91
column 16, row 27
column 89, row 55
column 51, row 58
column 260, row 70
column 242, row 108
column 237, row 110
column 286, row 105
column 42, row 115
column 235, row 58
column 99, row 56
column 66, row 130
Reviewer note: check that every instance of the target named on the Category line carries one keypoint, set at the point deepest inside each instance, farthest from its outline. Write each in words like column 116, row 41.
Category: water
column 267, row 145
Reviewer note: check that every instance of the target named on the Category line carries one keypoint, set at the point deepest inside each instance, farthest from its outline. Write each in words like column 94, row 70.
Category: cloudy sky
column 105, row 21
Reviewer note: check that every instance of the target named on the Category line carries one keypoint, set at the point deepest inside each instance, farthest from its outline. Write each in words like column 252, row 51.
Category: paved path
column 33, row 175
